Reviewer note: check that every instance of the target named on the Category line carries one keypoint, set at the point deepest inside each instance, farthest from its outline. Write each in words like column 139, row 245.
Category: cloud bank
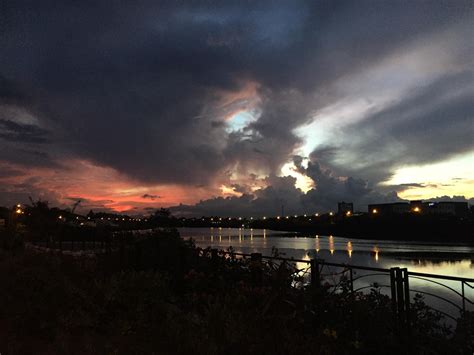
column 207, row 101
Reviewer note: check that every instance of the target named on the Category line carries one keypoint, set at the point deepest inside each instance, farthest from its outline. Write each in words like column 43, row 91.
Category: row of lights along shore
column 348, row 213
column 374, row 211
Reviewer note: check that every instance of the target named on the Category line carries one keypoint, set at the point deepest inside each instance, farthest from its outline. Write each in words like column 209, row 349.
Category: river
column 451, row 259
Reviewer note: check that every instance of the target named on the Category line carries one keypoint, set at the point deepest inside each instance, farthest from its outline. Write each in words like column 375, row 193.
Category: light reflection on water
column 432, row 258
column 454, row 260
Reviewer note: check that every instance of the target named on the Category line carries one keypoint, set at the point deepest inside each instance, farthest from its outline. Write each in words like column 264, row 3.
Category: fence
column 396, row 280
column 400, row 292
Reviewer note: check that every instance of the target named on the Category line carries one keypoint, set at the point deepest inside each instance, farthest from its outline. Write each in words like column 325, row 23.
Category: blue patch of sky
column 240, row 120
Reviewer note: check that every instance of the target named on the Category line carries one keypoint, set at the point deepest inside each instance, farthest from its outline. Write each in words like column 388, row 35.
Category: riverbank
column 160, row 294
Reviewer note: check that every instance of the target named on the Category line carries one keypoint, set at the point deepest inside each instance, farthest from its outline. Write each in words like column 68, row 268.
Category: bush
column 174, row 301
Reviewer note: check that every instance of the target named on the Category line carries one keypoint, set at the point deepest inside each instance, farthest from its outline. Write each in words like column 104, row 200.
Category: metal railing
column 400, row 290
column 318, row 271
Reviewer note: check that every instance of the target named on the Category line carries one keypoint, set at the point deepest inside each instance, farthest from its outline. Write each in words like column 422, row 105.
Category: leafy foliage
column 174, row 298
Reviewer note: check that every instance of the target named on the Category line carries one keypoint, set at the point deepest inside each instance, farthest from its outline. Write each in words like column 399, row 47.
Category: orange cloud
column 98, row 186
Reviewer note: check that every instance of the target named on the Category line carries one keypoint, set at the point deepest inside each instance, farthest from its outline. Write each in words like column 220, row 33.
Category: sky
column 236, row 108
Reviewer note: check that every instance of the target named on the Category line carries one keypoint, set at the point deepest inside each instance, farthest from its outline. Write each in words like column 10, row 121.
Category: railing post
column 406, row 288
column 138, row 255
column 256, row 267
column 351, row 274
column 393, row 290
column 121, row 252
column 400, row 297
column 463, row 298
column 108, row 245
column 214, row 258
column 315, row 274
column 400, row 291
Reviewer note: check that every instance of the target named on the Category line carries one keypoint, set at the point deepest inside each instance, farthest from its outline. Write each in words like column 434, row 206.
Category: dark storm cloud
column 434, row 123
column 139, row 85
column 281, row 194
column 151, row 197
column 17, row 132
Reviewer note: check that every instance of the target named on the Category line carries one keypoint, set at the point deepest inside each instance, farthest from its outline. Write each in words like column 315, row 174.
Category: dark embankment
column 156, row 294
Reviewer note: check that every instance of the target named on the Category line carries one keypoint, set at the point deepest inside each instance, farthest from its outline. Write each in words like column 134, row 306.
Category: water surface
column 452, row 259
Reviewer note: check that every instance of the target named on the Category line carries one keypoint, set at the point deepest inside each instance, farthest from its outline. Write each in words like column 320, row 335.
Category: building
column 345, row 208
column 386, row 209
column 450, row 208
